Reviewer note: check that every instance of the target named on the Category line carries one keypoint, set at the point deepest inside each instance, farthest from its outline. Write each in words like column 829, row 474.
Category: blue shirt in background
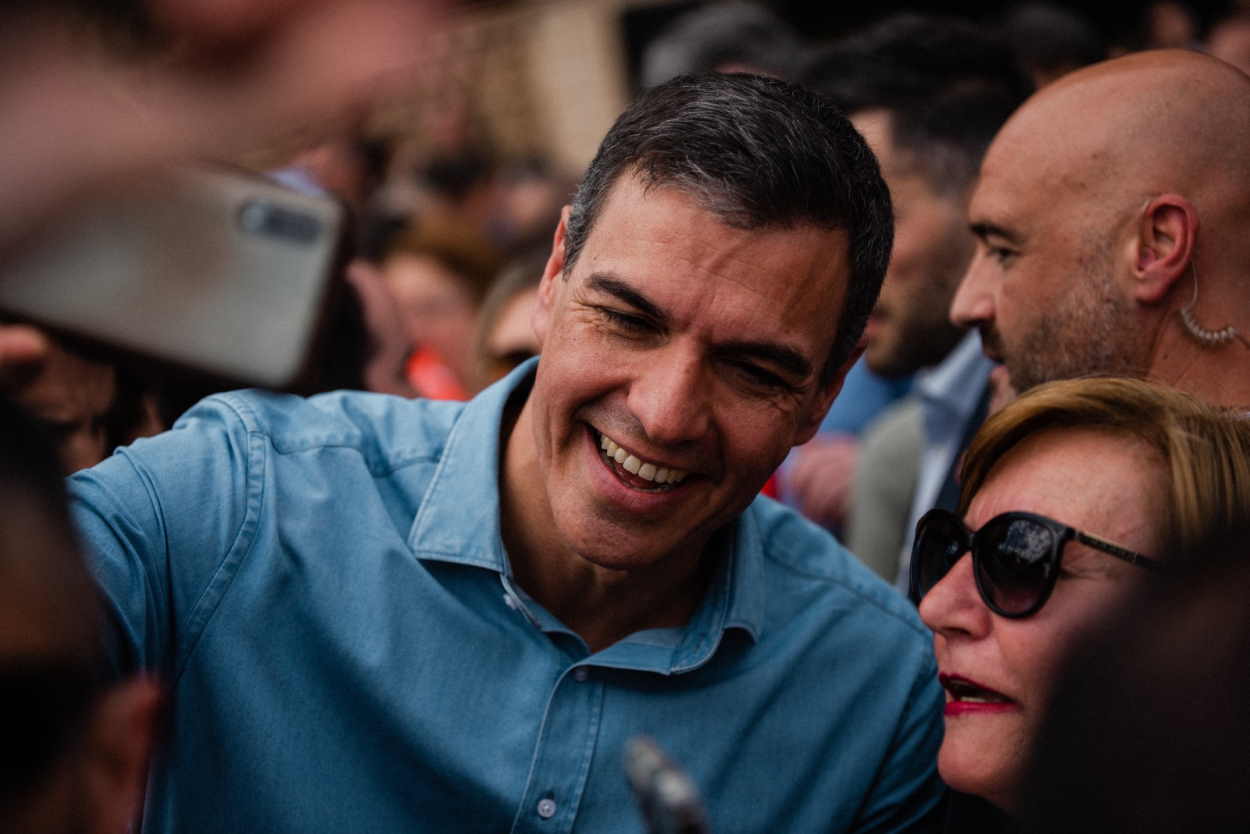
column 863, row 397
column 322, row 586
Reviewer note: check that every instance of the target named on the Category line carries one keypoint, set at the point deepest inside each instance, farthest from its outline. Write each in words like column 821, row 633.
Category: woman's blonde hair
column 1205, row 449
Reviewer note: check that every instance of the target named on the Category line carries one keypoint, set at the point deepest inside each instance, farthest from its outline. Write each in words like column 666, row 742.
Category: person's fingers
column 222, row 20
column 23, row 351
column 306, row 63
column 21, row 345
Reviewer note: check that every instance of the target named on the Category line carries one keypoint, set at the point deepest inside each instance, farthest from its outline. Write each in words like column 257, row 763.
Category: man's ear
column 118, row 745
column 1164, row 246
column 548, row 286
column 827, row 394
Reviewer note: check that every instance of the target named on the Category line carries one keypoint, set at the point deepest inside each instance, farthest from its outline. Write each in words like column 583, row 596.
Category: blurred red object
column 429, row 374
column 770, row 486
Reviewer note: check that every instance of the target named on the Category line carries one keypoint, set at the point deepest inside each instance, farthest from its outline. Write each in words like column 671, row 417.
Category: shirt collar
column 946, row 385
column 458, row 522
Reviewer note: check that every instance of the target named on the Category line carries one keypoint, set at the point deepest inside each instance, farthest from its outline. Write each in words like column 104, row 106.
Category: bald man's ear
column 549, row 285
column 1164, row 246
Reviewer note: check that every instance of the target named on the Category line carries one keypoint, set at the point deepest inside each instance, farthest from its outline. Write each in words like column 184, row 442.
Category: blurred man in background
column 928, row 94
column 1050, row 40
column 1229, row 39
column 735, row 36
column 86, row 403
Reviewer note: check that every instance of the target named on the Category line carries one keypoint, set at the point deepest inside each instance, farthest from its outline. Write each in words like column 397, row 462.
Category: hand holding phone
column 209, row 269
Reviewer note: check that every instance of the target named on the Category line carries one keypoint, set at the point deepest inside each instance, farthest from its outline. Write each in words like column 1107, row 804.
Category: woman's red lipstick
column 967, row 696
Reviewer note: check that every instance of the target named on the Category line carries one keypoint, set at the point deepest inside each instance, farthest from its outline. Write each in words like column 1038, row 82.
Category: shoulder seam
column 245, row 538
column 252, row 424
column 771, row 555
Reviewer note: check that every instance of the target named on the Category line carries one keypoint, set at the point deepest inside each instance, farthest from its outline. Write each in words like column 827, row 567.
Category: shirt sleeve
column 164, row 524
column 908, row 792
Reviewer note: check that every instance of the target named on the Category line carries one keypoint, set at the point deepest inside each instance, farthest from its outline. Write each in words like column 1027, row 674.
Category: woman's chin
column 989, row 778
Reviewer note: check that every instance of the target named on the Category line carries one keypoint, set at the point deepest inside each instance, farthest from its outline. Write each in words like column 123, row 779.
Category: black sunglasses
column 1015, row 557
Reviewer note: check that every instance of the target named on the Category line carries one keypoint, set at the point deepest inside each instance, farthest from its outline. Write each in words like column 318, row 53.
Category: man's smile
column 637, row 471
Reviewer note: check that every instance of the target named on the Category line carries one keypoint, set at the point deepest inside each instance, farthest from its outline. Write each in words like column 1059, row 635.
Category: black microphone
column 668, row 798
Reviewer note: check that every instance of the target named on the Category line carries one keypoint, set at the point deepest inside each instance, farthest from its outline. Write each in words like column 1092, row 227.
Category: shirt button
column 546, row 808
column 509, row 601
column 580, row 674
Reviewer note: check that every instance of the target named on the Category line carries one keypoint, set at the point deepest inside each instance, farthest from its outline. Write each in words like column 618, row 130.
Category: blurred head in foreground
column 1076, row 497
column 1148, row 727
column 75, row 747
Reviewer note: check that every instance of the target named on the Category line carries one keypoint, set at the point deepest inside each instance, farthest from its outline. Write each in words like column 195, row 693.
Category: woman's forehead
column 1095, row 480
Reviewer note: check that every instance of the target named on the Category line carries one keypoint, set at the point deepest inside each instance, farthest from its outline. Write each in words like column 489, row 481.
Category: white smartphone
column 212, row 269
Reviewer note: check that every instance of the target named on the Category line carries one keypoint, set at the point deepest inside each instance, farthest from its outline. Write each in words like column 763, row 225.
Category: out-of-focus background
column 453, row 132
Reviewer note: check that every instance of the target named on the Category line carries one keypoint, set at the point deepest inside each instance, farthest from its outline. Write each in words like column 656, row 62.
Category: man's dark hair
column 947, row 84
column 759, row 153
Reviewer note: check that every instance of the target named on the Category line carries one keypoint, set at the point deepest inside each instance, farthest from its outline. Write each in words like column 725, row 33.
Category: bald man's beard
column 1089, row 332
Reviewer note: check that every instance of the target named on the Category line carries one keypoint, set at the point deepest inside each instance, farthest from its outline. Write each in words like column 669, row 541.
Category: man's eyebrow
column 983, row 230
column 784, row 357
column 603, row 282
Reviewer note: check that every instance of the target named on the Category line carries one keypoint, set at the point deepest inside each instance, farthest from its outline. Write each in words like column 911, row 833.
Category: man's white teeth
column 636, row 466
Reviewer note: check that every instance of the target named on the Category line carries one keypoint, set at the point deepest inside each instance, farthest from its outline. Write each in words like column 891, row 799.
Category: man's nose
column 953, row 606
column 670, row 398
column 973, row 303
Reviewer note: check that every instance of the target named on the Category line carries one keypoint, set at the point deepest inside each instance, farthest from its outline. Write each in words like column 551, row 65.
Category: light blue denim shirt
column 322, row 585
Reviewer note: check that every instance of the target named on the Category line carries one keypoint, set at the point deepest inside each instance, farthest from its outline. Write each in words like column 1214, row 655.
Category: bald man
column 1111, row 215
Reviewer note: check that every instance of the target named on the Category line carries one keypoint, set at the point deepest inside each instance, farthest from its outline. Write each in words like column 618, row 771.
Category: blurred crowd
column 448, row 237
column 446, row 242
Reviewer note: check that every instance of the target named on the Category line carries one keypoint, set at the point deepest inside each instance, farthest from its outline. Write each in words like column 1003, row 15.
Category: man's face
column 70, row 396
column 1042, row 286
column 693, row 348
column 910, row 327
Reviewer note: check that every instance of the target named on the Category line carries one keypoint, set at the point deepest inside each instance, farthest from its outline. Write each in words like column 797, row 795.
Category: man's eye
column 626, row 321
column 759, row 377
column 1001, row 254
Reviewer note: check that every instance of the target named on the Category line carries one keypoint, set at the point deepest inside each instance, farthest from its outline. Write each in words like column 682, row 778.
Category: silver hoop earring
column 1203, row 336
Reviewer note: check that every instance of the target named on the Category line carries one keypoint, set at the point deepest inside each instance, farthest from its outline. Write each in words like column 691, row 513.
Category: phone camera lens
column 253, row 217
column 270, row 220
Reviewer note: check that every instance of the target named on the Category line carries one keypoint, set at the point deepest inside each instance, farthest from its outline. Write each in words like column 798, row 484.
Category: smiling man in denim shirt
column 381, row 615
